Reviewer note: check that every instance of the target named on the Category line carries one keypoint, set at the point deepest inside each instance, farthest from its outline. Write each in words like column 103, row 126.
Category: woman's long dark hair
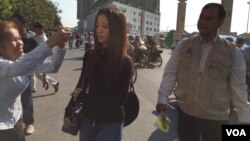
column 117, row 45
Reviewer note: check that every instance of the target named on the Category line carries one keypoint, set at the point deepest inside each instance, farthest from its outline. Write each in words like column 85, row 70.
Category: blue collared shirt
column 14, row 80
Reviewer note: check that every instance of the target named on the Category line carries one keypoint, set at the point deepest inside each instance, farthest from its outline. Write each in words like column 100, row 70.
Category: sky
column 168, row 10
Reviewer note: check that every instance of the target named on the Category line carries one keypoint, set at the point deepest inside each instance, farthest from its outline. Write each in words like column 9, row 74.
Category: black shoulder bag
column 72, row 117
column 131, row 106
column 73, row 114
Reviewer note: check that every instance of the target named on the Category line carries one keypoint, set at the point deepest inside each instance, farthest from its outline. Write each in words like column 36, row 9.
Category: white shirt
column 41, row 38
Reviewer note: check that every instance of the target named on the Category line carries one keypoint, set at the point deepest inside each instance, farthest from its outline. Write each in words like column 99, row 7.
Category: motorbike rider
column 150, row 44
column 137, row 42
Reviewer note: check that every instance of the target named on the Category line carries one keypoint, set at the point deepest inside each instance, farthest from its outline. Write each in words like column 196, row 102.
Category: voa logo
column 236, row 132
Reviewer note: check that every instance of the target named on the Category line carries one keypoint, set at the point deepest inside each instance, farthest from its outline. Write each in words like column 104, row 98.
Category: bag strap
column 84, row 82
column 131, row 84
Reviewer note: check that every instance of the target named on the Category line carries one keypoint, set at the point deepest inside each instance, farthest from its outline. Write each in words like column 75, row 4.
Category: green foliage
column 43, row 11
column 169, row 38
column 246, row 37
column 5, row 9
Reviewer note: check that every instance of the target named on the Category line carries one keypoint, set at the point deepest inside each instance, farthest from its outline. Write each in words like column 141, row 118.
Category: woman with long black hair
column 106, row 72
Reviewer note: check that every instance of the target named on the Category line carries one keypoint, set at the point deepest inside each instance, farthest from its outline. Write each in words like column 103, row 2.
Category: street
column 49, row 107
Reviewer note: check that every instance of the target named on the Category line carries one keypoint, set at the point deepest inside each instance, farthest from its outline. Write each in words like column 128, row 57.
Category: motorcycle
column 154, row 55
column 140, row 55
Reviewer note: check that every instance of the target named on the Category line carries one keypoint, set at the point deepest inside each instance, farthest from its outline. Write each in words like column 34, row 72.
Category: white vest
column 205, row 94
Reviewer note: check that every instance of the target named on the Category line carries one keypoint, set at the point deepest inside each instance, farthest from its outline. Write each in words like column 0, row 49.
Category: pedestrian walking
column 46, row 79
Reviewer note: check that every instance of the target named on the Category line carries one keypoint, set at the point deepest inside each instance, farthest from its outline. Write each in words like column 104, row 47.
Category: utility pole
column 248, row 17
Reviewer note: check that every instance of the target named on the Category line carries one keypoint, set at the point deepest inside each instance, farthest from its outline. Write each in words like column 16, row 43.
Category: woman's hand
column 76, row 93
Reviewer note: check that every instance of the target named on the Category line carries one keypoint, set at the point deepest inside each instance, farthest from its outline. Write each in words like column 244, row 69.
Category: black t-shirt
column 29, row 44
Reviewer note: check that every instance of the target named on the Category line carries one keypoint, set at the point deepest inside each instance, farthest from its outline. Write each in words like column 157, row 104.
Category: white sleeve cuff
column 162, row 99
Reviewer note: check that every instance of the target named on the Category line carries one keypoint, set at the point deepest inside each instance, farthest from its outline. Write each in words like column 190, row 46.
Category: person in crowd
column 150, row 44
column 71, row 42
column 78, row 40
column 137, row 42
column 26, row 97
column 162, row 41
column 240, row 43
column 131, row 39
column 207, row 72
column 107, row 76
column 90, row 41
column 130, row 49
column 46, row 79
column 246, row 53
column 14, row 69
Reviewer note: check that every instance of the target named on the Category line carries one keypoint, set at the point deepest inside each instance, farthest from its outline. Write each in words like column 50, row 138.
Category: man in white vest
column 207, row 72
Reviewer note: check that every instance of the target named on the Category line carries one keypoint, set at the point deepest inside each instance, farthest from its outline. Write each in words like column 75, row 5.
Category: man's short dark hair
column 23, row 19
column 38, row 25
column 240, row 40
column 222, row 11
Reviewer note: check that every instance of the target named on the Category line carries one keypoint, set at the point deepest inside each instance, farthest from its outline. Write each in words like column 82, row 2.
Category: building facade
column 142, row 16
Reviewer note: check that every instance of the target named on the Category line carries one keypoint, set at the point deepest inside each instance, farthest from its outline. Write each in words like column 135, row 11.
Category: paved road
column 49, row 107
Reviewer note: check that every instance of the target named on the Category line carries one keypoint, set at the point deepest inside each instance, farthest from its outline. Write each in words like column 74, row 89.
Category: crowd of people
column 208, row 71
column 86, row 40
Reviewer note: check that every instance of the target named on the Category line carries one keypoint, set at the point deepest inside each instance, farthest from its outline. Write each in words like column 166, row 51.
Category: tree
column 245, row 36
column 5, row 9
column 169, row 38
column 43, row 11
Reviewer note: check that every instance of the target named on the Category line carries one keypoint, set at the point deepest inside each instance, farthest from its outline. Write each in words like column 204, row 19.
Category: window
column 122, row 9
column 134, row 19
